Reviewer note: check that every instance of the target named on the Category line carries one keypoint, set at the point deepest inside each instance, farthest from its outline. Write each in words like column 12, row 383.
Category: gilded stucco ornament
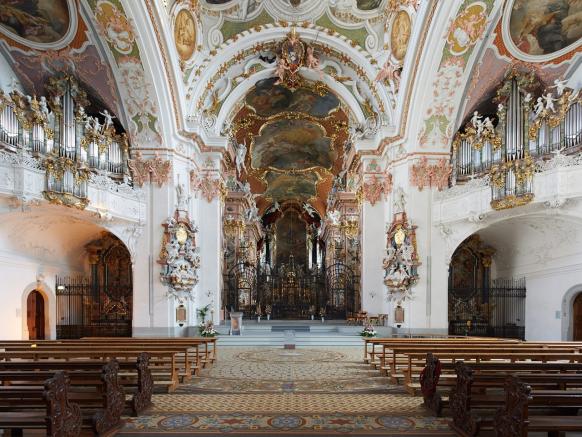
column 155, row 170
column 423, row 174
column 401, row 262
column 179, row 256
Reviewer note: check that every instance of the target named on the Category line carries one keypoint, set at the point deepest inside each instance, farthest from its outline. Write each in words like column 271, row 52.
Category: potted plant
column 202, row 312
column 207, row 329
column 268, row 310
column 368, row 331
column 322, row 314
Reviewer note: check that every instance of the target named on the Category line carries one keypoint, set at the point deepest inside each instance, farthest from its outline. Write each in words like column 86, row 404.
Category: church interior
column 291, row 217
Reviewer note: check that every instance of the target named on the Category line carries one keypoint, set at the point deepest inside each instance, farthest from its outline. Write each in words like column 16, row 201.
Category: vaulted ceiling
column 392, row 73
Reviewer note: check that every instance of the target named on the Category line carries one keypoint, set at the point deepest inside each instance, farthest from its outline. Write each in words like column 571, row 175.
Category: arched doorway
column 35, row 317
column 577, row 318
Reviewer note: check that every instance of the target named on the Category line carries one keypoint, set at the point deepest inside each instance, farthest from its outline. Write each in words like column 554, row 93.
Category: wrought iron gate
column 498, row 311
column 83, row 310
column 341, row 290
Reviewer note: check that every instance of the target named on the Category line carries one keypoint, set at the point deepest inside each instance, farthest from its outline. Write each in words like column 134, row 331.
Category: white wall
column 546, row 291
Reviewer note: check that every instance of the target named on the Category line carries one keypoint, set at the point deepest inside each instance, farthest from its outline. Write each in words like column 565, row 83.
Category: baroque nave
column 210, row 208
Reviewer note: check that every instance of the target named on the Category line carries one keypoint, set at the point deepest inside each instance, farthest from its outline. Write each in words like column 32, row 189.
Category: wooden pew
column 464, row 399
column 162, row 363
column 514, row 420
column 59, row 417
column 101, row 407
column 370, row 353
column 83, row 373
column 184, row 359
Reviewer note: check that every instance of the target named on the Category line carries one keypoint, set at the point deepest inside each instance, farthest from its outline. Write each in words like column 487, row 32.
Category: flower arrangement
column 368, row 331
column 268, row 309
column 207, row 329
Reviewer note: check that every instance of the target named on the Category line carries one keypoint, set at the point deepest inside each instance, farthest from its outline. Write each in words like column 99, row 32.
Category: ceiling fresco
column 544, row 27
column 290, row 144
column 41, row 21
column 185, row 34
column 284, row 187
column 295, row 140
column 269, row 99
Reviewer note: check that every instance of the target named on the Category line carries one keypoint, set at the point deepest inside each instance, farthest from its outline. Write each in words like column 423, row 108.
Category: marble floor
column 273, row 391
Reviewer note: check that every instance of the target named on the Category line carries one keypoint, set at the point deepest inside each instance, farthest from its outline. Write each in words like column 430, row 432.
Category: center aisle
column 265, row 390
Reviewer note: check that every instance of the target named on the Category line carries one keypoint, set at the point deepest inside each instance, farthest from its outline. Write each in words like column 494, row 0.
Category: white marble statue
column 241, row 153
column 108, row 119
column 334, row 217
column 181, row 198
column 44, row 106
column 549, row 100
column 311, row 212
column 399, row 200
column 560, row 86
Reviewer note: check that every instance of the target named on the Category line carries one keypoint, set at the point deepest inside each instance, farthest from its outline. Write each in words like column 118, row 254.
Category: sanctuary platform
column 306, row 333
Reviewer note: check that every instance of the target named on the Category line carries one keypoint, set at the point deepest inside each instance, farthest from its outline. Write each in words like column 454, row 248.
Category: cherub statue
column 560, row 86
column 241, row 153
column 391, row 72
column 477, row 123
column 527, row 98
column 549, row 102
column 108, row 119
column 280, row 71
column 488, row 124
column 44, row 106
column 312, row 61
column 539, row 106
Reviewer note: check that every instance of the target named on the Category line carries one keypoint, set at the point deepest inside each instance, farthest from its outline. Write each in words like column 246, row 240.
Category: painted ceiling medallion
column 542, row 30
column 467, row 28
column 43, row 24
column 400, row 34
column 185, row 34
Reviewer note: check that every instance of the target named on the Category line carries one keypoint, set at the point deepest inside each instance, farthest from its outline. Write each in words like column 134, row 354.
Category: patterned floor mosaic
column 271, row 391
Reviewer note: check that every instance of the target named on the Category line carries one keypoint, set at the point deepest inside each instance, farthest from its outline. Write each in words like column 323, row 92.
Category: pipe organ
column 70, row 143
column 531, row 124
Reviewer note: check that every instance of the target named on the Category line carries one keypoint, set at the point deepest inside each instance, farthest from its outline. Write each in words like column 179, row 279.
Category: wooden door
column 577, row 315
column 35, row 315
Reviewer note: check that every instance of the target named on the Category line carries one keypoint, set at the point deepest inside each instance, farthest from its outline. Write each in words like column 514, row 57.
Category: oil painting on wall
column 400, row 35
column 40, row 21
column 289, row 186
column 290, row 144
column 543, row 27
column 268, row 99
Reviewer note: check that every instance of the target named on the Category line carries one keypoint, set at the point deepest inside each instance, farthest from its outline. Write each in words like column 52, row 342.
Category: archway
column 35, row 315
column 577, row 318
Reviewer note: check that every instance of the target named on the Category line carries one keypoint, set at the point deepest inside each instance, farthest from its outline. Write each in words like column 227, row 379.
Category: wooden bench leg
column 145, row 385
column 460, row 402
column 64, row 418
column 109, row 418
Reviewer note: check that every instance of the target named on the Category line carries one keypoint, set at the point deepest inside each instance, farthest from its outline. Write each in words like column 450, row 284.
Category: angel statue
column 549, row 102
column 309, row 210
column 390, row 72
column 334, row 217
column 241, row 153
column 399, row 200
column 108, row 119
column 560, row 86
column 44, row 106
column 312, row 61
column 273, row 208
